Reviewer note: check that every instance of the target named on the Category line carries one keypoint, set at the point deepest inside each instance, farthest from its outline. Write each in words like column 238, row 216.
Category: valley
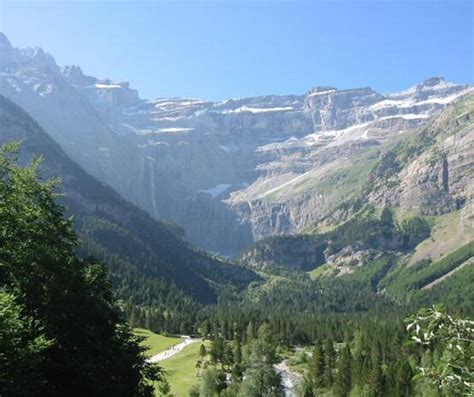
column 298, row 245
column 298, row 310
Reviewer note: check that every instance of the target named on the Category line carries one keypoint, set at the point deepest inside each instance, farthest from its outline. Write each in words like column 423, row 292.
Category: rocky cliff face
column 229, row 172
column 331, row 109
column 426, row 175
column 431, row 173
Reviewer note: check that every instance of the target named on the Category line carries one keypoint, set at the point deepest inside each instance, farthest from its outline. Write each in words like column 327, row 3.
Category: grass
column 319, row 271
column 350, row 177
column 337, row 178
column 155, row 343
column 181, row 371
column 405, row 281
column 299, row 361
column 449, row 231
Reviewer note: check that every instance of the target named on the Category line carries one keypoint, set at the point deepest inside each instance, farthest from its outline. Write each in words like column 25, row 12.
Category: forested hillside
column 150, row 263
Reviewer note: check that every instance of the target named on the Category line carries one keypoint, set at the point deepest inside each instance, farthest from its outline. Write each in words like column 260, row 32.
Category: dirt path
column 173, row 350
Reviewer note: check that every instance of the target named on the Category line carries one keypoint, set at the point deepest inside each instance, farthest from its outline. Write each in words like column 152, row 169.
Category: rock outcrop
column 229, row 172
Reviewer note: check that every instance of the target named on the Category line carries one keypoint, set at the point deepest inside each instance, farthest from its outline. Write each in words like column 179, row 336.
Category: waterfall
column 152, row 187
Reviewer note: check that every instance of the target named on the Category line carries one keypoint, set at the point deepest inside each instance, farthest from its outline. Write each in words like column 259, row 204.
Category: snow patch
column 388, row 103
column 107, row 86
column 200, row 112
column 406, row 116
column 442, row 84
column 169, row 103
column 290, row 182
column 259, row 110
column 314, row 137
column 408, row 102
column 447, row 99
column 175, row 129
column 216, row 190
column 320, row 93
column 153, row 143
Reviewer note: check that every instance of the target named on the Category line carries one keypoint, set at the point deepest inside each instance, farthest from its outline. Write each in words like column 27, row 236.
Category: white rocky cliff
column 229, row 172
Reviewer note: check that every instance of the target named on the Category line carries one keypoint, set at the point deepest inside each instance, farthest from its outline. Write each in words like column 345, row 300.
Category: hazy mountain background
column 229, row 173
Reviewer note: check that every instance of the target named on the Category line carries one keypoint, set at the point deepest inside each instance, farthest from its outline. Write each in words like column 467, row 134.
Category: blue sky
column 223, row 49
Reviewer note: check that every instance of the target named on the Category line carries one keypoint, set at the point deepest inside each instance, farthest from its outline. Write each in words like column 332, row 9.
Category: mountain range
column 351, row 186
column 230, row 172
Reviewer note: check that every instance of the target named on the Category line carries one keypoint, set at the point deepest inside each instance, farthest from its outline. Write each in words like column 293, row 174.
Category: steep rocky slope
column 141, row 252
column 229, row 172
column 415, row 205
column 431, row 172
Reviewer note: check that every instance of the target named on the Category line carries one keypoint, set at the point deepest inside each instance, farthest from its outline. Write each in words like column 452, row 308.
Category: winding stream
column 290, row 379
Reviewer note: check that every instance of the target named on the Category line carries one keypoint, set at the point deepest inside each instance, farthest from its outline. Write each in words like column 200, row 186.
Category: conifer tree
column 317, row 365
column 376, row 375
column 329, row 360
column 343, row 382
column 202, row 351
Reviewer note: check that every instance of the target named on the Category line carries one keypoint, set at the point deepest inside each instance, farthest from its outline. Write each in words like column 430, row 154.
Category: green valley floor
column 180, row 369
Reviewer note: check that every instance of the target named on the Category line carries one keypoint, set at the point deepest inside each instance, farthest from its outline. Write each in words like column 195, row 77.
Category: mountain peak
column 7, row 52
column 76, row 76
column 322, row 88
column 434, row 81
column 4, row 42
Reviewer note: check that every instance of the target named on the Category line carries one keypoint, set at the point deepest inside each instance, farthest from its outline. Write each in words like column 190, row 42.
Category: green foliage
column 416, row 229
column 317, row 366
column 261, row 381
column 366, row 231
column 202, row 351
column 455, row 292
column 59, row 312
column 416, row 277
column 453, row 372
column 217, row 350
column 343, row 383
column 376, row 375
column 22, row 348
column 329, row 362
column 363, row 231
column 164, row 388
column 194, row 391
column 212, row 383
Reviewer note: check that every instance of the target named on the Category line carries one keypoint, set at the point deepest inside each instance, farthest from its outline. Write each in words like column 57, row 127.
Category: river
column 289, row 378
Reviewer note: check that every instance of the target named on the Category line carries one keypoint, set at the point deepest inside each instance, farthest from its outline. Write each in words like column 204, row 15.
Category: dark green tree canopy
column 61, row 332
